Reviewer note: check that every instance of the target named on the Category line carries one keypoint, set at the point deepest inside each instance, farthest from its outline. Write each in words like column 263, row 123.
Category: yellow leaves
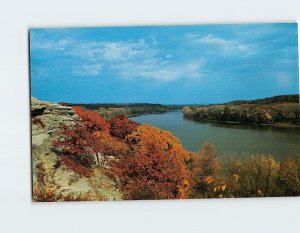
column 216, row 188
column 221, row 187
column 184, row 188
column 208, row 179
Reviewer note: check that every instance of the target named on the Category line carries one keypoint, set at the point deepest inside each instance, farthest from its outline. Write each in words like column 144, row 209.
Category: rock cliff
column 52, row 181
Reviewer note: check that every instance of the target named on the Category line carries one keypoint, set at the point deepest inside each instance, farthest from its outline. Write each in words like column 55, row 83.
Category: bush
column 155, row 167
column 76, row 167
column 81, row 142
column 255, row 176
column 120, row 126
column 91, row 121
column 205, row 172
column 289, row 177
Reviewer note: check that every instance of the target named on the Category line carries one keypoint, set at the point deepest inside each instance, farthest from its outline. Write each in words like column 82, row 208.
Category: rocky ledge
column 52, row 181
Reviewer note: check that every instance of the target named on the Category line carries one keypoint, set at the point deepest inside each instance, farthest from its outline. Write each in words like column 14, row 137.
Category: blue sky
column 164, row 64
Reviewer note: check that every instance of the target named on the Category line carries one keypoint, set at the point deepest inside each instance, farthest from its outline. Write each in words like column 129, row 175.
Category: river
column 230, row 140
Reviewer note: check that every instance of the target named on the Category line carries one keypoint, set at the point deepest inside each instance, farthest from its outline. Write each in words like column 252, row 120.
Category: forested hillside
column 270, row 100
column 278, row 110
column 111, row 110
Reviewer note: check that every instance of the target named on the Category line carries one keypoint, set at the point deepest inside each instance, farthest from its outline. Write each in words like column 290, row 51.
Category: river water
column 230, row 140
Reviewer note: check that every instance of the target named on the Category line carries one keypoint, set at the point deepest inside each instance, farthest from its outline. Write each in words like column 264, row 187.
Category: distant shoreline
column 277, row 111
column 286, row 126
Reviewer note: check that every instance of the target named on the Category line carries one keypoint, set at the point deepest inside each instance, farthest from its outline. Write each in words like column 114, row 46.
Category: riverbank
column 278, row 111
column 278, row 125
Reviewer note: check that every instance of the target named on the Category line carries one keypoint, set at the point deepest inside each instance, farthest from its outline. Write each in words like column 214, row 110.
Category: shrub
column 205, row 172
column 76, row 143
column 255, row 176
column 76, row 167
column 109, row 146
column 91, row 121
column 120, row 126
column 155, row 167
column 80, row 142
column 289, row 177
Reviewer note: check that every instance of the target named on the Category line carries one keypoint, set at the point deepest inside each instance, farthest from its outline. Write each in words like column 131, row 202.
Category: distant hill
column 278, row 110
column 127, row 109
column 270, row 100
column 96, row 106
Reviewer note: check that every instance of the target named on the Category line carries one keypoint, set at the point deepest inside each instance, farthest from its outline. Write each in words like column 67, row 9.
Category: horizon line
column 131, row 103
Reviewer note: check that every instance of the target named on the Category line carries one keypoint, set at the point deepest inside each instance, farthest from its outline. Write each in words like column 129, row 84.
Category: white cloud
column 160, row 71
column 112, row 51
column 228, row 47
column 54, row 45
column 127, row 59
column 87, row 69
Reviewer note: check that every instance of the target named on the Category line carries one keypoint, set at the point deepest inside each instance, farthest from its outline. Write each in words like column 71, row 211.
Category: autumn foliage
column 91, row 121
column 149, row 163
column 120, row 126
column 155, row 168
column 79, row 143
column 75, row 166
column 205, row 171
column 289, row 177
column 255, row 176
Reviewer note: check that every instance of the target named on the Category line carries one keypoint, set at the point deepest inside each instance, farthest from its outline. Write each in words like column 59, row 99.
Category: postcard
column 165, row 112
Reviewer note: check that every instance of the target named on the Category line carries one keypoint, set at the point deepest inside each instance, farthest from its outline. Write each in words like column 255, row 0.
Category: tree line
column 109, row 111
column 280, row 110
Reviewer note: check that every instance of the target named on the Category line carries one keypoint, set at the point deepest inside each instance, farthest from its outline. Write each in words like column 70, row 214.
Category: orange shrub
column 155, row 168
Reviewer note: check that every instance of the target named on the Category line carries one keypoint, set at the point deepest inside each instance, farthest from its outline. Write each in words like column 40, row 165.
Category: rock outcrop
column 52, row 180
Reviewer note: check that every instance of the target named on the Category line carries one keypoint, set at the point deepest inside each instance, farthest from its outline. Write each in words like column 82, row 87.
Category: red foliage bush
column 80, row 142
column 91, row 121
column 120, row 126
column 78, row 168
column 110, row 146
column 76, row 143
